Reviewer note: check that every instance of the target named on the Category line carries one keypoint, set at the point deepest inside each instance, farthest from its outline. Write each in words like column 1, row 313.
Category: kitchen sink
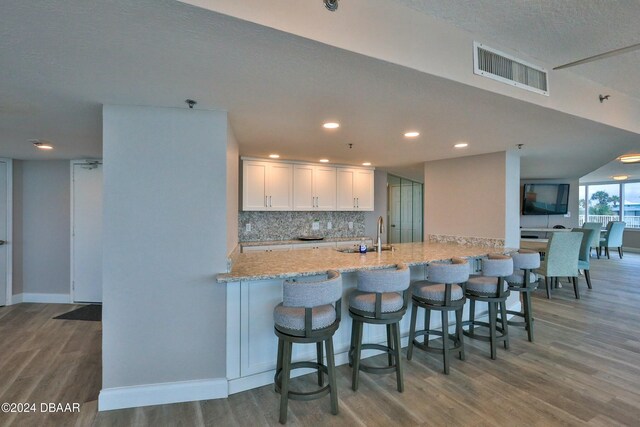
column 369, row 249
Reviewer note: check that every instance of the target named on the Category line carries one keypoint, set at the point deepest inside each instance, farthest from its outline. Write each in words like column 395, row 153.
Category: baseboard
column 158, row 394
column 41, row 298
column 632, row 250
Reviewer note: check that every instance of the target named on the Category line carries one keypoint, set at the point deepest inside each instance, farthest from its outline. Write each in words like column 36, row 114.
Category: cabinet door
column 254, row 186
column 266, row 248
column 363, row 189
column 345, row 195
column 280, row 187
column 303, row 195
column 324, row 184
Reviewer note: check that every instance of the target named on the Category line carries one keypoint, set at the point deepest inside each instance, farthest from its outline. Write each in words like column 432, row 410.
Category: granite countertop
column 287, row 264
column 298, row 241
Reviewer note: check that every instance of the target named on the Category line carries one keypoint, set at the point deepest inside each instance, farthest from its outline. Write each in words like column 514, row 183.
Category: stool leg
column 472, row 316
column 331, row 368
column 427, row 325
column 412, row 330
column 284, row 389
column 505, row 326
column 320, row 362
column 492, row 327
column 528, row 315
column 397, row 349
column 356, row 355
column 278, row 384
column 459, row 333
column 445, row 340
column 390, row 346
column 352, row 346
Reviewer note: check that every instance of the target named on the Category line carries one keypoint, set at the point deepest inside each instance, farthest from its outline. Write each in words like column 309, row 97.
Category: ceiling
column 555, row 32
column 606, row 172
column 62, row 60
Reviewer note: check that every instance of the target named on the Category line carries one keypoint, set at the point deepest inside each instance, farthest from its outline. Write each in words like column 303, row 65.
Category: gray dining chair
column 595, row 240
column 561, row 260
column 612, row 238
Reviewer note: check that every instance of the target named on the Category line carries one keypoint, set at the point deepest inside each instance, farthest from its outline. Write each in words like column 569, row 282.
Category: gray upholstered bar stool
column 381, row 299
column 309, row 313
column 442, row 291
column 523, row 280
column 492, row 289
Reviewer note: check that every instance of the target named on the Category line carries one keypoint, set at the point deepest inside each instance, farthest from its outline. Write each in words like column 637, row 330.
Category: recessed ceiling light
column 42, row 144
column 412, row 134
column 366, row 164
column 461, row 145
column 630, row 158
column 324, row 160
column 331, row 125
column 620, row 177
column 274, row 156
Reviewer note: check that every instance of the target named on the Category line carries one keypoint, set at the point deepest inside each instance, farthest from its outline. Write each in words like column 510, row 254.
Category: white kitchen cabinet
column 267, row 186
column 354, row 189
column 266, row 248
column 314, row 188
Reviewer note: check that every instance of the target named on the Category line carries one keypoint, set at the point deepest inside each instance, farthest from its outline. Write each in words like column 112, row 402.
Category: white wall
column 545, row 221
column 467, row 196
column 512, row 198
column 233, row 189
column 165, row 234
column 41, row 240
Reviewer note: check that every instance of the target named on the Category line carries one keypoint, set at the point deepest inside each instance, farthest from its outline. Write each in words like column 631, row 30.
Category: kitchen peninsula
column 254, row 287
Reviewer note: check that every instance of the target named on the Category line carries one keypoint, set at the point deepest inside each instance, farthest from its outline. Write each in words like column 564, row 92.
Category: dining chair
column 595, row 242
column 584, row 263
column 561, row 260
column 612, row 238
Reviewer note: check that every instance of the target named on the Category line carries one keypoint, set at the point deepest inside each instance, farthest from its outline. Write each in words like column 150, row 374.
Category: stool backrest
column 396, row 280
column 497, row 265
column 455, row 272
column 313, row 292
column 525, row 260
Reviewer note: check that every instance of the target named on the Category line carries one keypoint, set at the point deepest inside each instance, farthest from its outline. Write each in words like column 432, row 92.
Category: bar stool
column 309, row 313
column 492, row 289
column 381, row 299
column 443, row 291
column 523, row 280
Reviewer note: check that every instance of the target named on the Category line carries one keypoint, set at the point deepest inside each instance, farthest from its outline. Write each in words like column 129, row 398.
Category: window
column 631, row 205
column 610, row 202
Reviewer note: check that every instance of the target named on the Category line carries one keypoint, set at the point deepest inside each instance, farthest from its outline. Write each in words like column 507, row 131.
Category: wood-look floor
column 584, row 368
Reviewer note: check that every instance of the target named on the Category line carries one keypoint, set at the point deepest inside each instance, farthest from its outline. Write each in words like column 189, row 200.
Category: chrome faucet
column 379, row 235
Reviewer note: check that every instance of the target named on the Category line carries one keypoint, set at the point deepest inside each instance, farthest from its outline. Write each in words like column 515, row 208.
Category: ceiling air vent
column 504, row 68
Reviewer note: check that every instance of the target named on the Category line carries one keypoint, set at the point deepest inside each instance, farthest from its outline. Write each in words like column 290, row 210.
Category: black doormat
column 91, row 312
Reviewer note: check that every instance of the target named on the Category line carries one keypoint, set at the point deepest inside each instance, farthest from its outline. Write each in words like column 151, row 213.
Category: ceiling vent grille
column 499, row 66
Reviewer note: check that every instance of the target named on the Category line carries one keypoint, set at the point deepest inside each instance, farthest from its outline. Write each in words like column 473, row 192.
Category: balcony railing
column 632, row 221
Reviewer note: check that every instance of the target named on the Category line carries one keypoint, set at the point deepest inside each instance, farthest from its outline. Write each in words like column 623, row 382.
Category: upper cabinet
column 314, row 188
column 288, row 186
column 267, row 186
column 355, row 189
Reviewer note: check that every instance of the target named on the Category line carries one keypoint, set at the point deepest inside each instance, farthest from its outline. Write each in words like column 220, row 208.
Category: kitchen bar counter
column 281, row 265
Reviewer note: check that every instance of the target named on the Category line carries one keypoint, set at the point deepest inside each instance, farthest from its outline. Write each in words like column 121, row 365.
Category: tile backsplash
column 267, row 226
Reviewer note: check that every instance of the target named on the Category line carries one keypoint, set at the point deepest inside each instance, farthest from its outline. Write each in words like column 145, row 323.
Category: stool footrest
column 471, row 334
column 298, row 395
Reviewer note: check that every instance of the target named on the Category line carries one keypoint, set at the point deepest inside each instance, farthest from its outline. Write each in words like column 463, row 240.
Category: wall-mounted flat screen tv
column 545, row 199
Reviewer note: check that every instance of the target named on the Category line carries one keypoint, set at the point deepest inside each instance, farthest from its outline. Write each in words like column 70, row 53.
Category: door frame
column 72, row 163
column 9, row 229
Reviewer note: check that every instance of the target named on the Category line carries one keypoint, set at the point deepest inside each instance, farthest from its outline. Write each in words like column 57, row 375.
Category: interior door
column 87, row 232
column 4, row 230
column 393, row 233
